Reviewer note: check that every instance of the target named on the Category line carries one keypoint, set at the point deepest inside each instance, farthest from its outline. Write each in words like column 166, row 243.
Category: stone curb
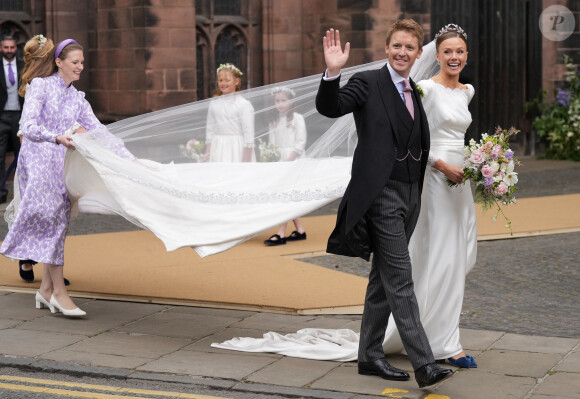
column 288, row 391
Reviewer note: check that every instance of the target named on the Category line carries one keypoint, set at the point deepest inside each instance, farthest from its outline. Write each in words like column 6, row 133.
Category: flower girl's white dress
column 230, row 128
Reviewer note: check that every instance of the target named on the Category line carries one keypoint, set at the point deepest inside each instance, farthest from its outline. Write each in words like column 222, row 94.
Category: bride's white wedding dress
column 443, row 247
column 443, row 250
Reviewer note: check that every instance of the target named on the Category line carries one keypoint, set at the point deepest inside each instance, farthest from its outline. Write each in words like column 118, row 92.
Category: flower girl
column 230, row 120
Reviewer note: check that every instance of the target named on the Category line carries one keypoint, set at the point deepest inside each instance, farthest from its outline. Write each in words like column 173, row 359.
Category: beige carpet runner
column 134, row 266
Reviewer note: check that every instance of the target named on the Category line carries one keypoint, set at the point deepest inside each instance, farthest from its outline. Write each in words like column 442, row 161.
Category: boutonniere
column 421, row 91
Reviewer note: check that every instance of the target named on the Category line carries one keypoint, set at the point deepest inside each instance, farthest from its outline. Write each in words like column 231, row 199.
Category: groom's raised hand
column 334, row 56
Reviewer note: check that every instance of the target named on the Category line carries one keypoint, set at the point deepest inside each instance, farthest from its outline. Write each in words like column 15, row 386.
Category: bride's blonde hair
column 39, row 59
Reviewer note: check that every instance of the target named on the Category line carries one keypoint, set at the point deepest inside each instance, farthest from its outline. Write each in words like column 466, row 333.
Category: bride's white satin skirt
column 208, row 206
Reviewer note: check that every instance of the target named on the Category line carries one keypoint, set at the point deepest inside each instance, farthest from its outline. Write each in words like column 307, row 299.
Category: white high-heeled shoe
column 42, row 303
column 72, row 312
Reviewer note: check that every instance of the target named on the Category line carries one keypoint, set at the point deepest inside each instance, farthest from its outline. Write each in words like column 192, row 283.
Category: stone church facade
column 146, row 55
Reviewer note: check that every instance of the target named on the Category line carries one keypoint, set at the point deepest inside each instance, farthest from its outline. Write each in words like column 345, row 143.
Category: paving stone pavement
column 138, row 341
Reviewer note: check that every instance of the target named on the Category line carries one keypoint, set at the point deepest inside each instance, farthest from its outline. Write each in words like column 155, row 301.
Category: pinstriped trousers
column 391, row 220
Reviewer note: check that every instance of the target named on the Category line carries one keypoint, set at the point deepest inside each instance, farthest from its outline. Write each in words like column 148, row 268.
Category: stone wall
column 141, row 54
column 74, row 19
column 293, row 31
column 143, row 57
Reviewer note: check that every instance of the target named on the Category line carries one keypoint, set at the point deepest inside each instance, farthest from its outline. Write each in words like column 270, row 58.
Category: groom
column 381, row 205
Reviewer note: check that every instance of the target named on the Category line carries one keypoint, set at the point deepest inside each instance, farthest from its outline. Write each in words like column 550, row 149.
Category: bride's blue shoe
column 464, row 362
column 471, row 361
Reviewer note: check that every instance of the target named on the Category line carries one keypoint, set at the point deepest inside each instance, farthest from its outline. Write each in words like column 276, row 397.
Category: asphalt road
column 20, row 384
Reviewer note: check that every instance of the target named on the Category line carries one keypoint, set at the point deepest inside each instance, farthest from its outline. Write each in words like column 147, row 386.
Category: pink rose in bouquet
column 487, row 171
column 193, row 149
column 477, row 157
column 502, row 189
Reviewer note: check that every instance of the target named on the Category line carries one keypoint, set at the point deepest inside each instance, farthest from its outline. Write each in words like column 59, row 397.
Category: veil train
column 211, row 206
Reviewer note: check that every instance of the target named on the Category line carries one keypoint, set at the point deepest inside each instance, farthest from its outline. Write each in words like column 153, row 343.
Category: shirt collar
column 394, row 74
column 60, row 81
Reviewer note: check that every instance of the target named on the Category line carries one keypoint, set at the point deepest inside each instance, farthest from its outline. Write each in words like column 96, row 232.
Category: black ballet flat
column 275, row 240
column 26, row 275
column 296, row 236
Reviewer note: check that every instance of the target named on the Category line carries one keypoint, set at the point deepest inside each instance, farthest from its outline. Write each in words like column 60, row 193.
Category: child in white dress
column 288, row 133
column 230, row 121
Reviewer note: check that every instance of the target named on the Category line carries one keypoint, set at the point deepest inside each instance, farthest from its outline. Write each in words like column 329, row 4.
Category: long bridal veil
column 211, row 206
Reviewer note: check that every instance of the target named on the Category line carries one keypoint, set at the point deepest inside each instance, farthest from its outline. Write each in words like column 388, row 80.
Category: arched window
column 204, row 87
column 231, row 47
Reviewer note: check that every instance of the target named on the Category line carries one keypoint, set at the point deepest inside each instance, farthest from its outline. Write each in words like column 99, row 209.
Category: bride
column 444, row 245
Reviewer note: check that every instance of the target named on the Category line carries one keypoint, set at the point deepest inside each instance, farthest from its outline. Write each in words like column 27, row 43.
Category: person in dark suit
column 10, row 107
column 380, row 207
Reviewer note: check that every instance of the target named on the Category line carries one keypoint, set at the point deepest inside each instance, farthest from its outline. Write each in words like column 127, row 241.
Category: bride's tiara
column 451, row 28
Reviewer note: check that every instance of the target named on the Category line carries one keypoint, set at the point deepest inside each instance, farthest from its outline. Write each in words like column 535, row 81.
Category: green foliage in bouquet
column 559, row 120
column 268, row 152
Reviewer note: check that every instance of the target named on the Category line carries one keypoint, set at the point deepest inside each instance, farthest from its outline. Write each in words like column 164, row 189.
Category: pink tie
column 408, row 99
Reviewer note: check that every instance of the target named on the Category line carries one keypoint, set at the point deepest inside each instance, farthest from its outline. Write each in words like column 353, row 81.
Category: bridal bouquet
column 490, row 165
column 268, row 152
column 193, row 149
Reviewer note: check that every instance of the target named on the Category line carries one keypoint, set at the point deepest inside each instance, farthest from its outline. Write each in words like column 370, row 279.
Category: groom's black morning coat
column 379, row 115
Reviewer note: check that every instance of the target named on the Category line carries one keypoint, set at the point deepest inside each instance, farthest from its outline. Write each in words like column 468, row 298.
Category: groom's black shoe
column 381, row 368
column 431, row 374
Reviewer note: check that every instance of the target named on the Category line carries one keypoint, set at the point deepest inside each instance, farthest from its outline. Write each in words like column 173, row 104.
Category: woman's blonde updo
column 39, row 59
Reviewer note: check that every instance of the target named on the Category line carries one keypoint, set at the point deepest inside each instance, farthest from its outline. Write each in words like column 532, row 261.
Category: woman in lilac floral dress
column 52, row 107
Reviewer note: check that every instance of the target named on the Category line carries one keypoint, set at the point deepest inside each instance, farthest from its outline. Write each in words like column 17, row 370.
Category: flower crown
column 229, row 66
column 41, row 40
column 451, row 28
column 283, row 89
